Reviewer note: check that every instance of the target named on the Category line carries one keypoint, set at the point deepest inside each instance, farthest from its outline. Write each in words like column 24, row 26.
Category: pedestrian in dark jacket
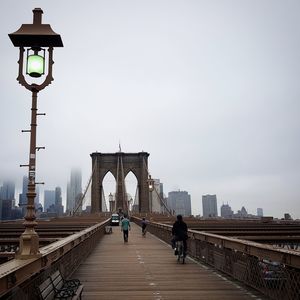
column 144, row 225
column 179, row 232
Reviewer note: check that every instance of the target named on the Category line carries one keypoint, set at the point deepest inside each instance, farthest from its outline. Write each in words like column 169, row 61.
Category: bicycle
column 144, row 230
column 180, row 252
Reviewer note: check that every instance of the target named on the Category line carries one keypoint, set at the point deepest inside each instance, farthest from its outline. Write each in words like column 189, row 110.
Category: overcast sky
column 209, row 88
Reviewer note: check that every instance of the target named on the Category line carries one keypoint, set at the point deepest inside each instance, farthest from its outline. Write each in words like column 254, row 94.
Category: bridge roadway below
column 146, row 268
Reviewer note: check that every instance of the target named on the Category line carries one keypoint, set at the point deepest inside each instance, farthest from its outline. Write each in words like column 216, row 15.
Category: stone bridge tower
column 120, row 164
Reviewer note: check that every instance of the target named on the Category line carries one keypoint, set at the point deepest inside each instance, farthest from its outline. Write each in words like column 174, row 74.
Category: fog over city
column 209, row 88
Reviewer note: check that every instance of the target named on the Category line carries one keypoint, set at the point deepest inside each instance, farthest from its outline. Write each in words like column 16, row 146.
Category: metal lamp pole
column 34, row 37
column 151, row 188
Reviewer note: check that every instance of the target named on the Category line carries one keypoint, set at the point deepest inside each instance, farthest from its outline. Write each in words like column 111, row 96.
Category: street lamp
column 111, row 202
column 150, row 183
column 151, row 189
column 34, row 38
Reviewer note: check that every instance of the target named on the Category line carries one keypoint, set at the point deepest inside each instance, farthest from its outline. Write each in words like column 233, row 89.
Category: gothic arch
column 120, row 164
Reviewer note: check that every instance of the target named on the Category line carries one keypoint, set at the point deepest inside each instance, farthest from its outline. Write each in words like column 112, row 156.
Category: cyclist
column 179, row 232
column 144, row 225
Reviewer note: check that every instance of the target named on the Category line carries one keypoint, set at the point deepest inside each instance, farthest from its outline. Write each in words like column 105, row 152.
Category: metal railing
column 19, row 278
column 273, row 272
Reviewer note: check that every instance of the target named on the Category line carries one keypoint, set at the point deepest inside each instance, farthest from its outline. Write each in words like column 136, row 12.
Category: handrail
column 16, row 271
column 260, row 251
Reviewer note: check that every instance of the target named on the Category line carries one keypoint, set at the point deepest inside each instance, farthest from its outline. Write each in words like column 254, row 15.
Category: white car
column 115, row 220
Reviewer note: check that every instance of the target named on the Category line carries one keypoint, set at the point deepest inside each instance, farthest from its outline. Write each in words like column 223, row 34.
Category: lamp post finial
column 37, row 16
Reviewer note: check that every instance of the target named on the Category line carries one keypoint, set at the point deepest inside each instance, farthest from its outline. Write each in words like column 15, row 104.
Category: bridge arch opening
column 131, row 184
column 109, row 192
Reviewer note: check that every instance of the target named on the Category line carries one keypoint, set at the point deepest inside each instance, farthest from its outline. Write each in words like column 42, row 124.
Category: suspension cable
column 80, row 202
column 159, row 197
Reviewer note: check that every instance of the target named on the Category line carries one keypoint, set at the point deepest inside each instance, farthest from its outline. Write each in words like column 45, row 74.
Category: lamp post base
column 29, row 246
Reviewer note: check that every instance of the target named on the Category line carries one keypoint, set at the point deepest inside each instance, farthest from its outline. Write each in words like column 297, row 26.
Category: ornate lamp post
column 151, row 189
column 33, row 38
column 150, row 183
column 112, row 203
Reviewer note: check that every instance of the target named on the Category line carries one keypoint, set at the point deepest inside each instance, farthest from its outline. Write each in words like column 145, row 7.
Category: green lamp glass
column 150, row 183
column 35, row 64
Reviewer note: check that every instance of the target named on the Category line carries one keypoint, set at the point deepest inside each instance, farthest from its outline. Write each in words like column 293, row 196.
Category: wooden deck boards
column 146, row 268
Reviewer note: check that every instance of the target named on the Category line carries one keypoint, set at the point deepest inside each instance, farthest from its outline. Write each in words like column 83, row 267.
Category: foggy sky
column 209, row 88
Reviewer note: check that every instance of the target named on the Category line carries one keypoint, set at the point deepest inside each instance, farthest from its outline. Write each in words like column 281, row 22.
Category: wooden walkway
column 146, row 268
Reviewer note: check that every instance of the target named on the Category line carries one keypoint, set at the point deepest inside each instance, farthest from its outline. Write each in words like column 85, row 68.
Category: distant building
column 287, row 216
column 37, row 197
column 260, row 212
column 242, row 213
column 226, row 211
column 39, row 210
column 7, row 191
column 7, row 198
column 16, row 213
column 6, row 208
column 74, row 190
column 209, row 206
column 180, row 202
column 59, row 209
column 155, row 197
column 23, row 195
column 53, row 202
column 49, row 199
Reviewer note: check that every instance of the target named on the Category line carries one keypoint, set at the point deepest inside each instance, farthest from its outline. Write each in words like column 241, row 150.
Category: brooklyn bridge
column 80, row 255
column 227, row 259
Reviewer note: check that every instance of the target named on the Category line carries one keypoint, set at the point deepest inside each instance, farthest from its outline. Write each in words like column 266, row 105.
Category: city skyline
column 208, row 88
column 108, row 185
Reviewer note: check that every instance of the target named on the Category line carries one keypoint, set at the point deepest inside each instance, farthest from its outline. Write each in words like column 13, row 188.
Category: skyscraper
column 180, row 202
column 156, row 205
column 49, row 199
column 7, row 191
column 226, row 211
column 7, row 197
column 209, row 205
column 74, row 189
column 23, row 196
column 58, row 201
column 260, row 212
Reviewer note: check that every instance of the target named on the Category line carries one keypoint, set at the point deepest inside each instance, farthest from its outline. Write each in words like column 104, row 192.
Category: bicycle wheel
column 182, row 252
column 180, row 256
column 178, row 251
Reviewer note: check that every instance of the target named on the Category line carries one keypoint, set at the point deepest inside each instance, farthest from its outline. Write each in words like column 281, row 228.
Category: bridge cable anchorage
column 80, row 200
column 159, row 197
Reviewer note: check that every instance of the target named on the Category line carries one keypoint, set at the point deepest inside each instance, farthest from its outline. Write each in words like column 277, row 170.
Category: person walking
column 125, row 227
column 144, row 225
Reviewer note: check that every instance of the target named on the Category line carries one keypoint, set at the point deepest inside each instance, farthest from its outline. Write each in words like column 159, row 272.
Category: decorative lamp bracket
column 33, row 86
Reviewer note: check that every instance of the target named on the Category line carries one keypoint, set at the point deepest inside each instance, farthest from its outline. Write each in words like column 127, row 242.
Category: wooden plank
column 146, row 268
